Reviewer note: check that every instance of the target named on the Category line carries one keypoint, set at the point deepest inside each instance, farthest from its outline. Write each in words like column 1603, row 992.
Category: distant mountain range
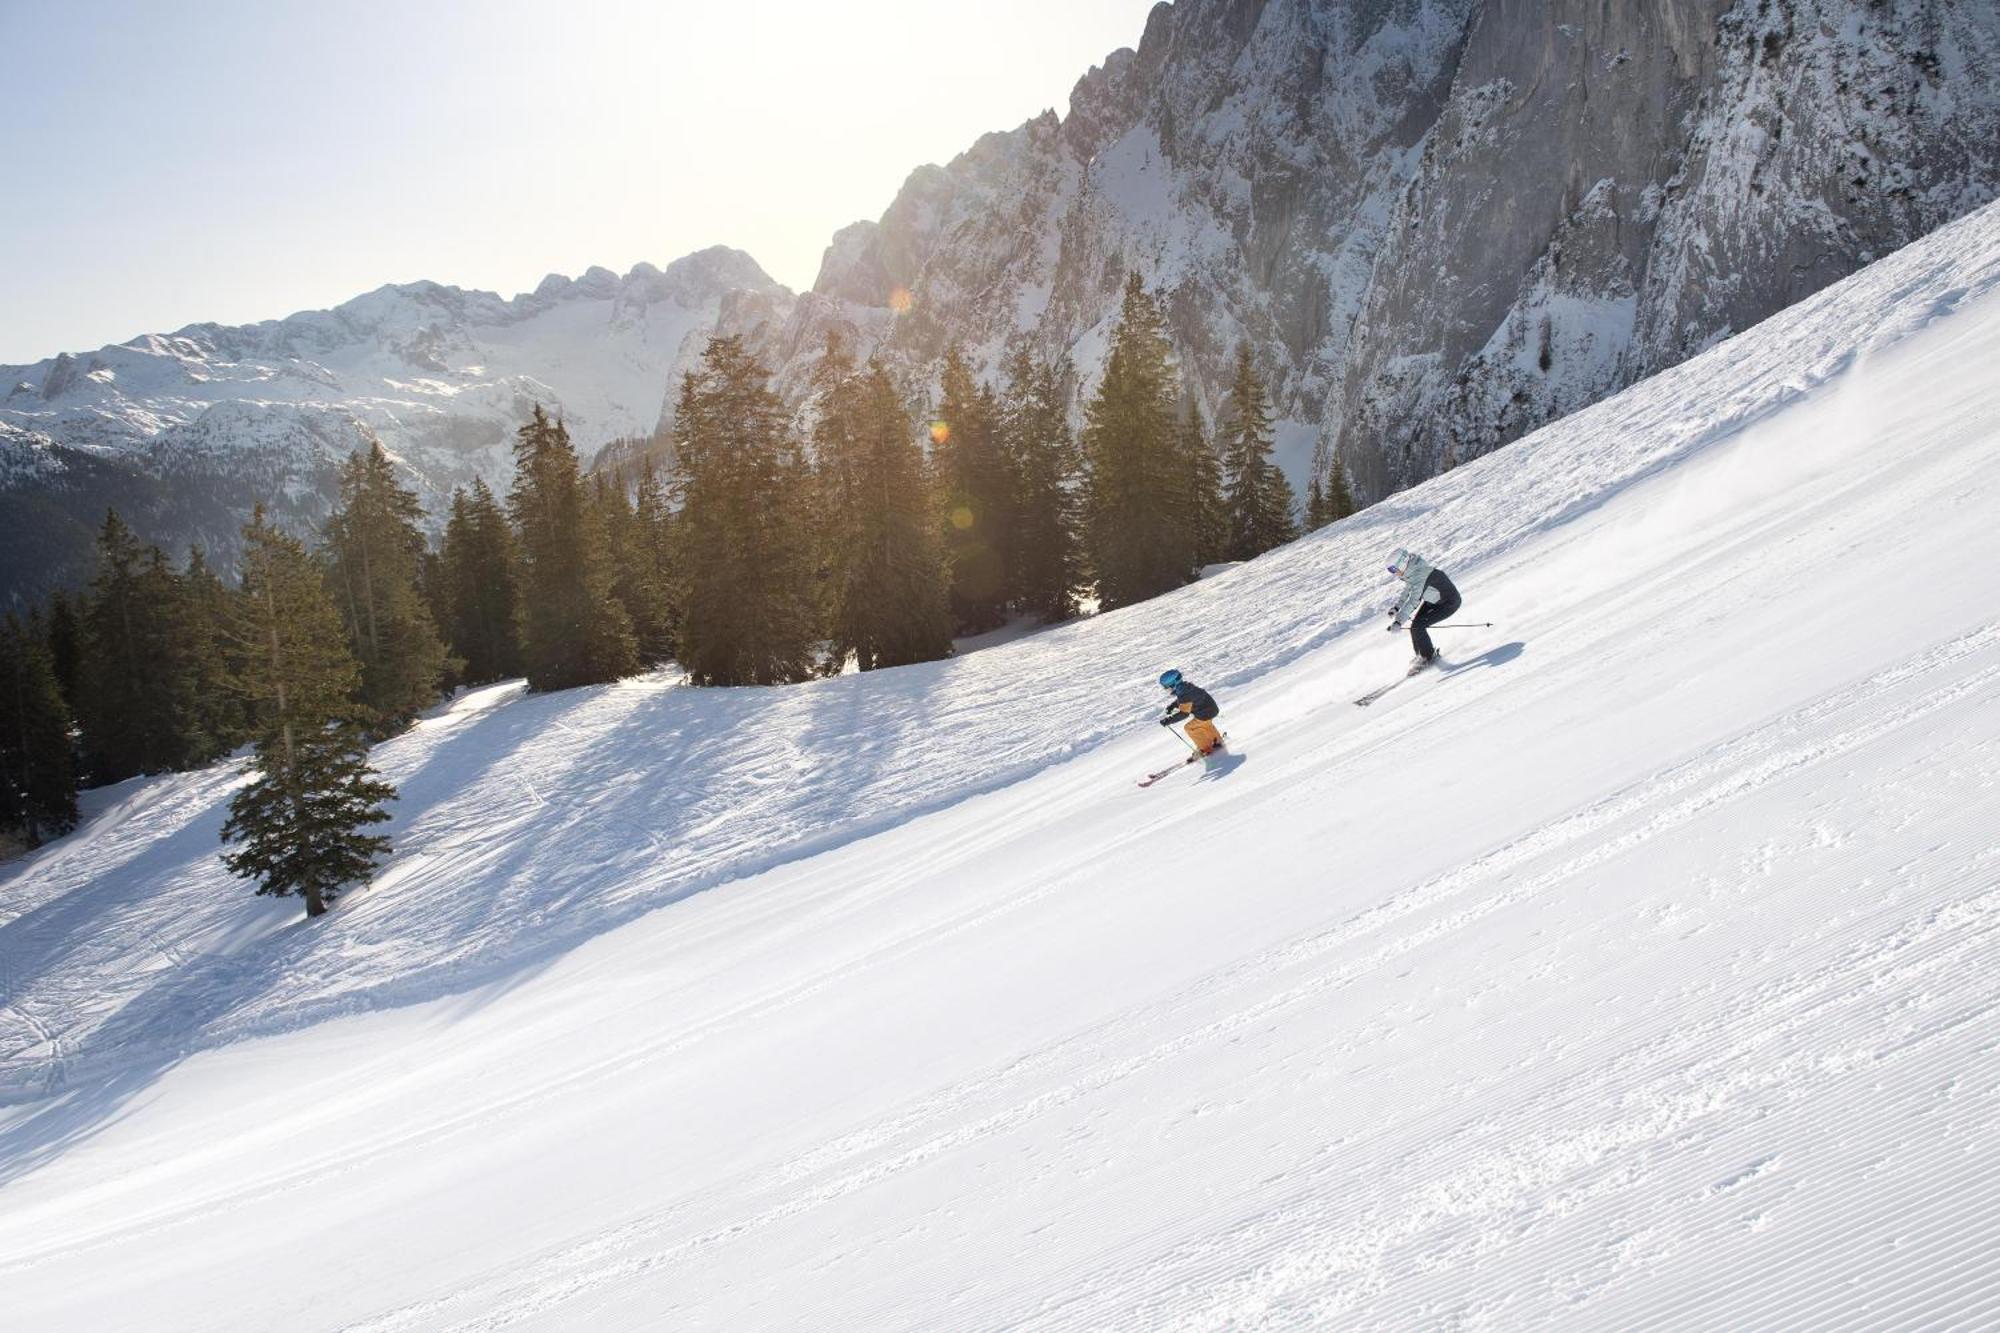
column 186, row 431
column 1438, row 223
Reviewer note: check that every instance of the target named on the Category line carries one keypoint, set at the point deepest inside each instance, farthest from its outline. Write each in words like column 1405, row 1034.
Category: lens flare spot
column 900, row 300
column 940, row 431
column 961, row 518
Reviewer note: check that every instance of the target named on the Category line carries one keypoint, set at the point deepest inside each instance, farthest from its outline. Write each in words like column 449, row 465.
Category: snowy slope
column 1636, row 973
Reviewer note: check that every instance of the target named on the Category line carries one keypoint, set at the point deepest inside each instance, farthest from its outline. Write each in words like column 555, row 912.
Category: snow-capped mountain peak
column 440, row 374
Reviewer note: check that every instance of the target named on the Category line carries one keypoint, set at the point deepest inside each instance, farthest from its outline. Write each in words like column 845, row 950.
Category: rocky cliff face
column 1439, row 223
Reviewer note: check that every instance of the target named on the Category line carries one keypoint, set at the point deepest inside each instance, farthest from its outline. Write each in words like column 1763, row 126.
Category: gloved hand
column 1167, row 721
column 1394, row 624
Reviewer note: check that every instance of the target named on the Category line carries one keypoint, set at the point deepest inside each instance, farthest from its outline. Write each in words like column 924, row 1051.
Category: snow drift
column 1634, row 973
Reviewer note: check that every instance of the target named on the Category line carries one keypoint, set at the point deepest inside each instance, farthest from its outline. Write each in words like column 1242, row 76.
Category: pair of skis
column 1170, row 770
column 1375, row 694
column 1437, row 664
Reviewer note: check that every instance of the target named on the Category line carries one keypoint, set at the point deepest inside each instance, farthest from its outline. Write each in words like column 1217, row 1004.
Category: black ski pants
column 1431, row 612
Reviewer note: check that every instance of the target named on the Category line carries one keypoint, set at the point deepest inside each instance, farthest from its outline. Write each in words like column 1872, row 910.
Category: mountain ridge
column 1437, row 223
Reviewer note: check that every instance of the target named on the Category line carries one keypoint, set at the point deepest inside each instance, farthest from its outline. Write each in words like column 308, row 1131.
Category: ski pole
column 1477, row 624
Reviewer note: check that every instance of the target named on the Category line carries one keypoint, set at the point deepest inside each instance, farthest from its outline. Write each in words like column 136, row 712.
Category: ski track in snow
column 1634, row 974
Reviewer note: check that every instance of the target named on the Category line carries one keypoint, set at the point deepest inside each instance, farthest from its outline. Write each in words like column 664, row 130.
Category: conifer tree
column 374, row 547
column 1260, row 499
column 744, row 559
column 221, row 721
column 1207, row 511
column 638, row 575
column 1046, row 566
column 573, row 630
column 1135, row 531
column 437, row 605
column 37, row 766
column 654, row 626
column 975, row 491
column 299, row 826
column 136, row 692
column 65, row 637
column 477, row 579
column 1339, row 495
column 883, row 559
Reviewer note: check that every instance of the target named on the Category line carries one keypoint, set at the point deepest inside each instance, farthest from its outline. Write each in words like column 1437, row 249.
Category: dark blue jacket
column 1192, row 698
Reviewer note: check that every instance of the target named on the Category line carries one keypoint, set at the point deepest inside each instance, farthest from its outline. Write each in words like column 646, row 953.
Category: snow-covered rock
column 1439, row 223
column 441, row 376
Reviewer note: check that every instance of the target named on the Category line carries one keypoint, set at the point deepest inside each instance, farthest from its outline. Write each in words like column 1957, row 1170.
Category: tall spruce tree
column 136, row 692
column 573, row 630
column 37, row 763
column 65, row 631
column 477, row 579
column 299, row 826
column 883, row 559
column 1135, row 531
column 205, row 606
column 1208, row 512
column 1329, row 497
column 974, row 488
column 637, row 574
column 1046, row 567
column 1260, row 500
column 374, row 546
column 1339, row 495
column 744, row 558
column 655, row 626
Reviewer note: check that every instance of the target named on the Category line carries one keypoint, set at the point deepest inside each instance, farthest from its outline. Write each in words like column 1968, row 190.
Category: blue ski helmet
column 1169, row 678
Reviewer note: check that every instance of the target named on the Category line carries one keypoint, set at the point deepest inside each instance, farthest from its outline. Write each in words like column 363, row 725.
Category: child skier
column 1428, row 593
column 1195, row 706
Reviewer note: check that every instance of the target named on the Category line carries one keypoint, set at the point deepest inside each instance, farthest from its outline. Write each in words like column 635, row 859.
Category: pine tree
column 37, row 765
column 881, row 552
column 374, row 546
column 656, row 626
column 1339, row 495
column 1135, row 532
column 65, row 634
column 744, row 556
column 638, row 575
column 477, row 579
column 1207, row 511
column 299, row 825
column 436, row 599
column 1047, row 563
column 573, row 630
column 975, row 491
column 1260, row 499
column 136, row 691
column 220, row 718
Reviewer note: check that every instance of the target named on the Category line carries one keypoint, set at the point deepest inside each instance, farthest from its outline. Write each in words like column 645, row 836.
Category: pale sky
column 170, row 163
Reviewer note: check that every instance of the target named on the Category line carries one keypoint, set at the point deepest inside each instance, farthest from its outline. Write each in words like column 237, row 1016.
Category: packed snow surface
column 1635, row 972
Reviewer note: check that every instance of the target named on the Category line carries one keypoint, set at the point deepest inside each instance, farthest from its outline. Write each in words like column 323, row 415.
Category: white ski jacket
column 1416, row 580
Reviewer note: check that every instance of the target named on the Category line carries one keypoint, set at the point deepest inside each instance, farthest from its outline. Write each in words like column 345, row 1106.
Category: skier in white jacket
column 1428, row 597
